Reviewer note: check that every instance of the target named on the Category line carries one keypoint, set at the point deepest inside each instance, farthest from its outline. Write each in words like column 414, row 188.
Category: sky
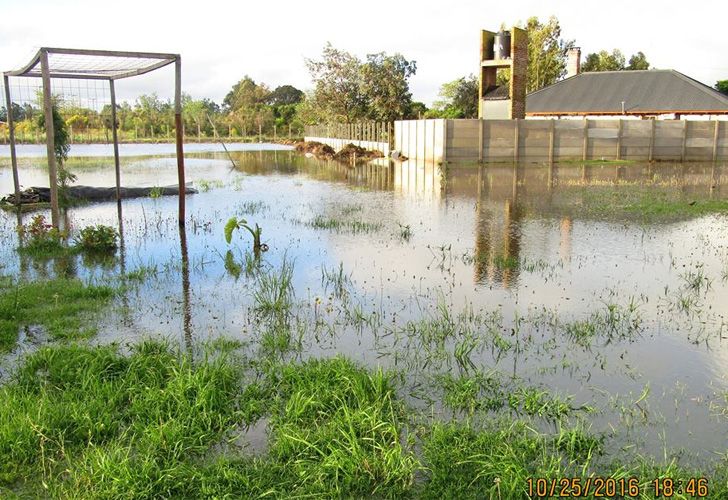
column 222, row 41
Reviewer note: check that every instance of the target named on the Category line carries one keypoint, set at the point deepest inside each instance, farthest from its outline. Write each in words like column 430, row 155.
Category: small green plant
column 98, row 238
column 41, row 237
column 61, row 148
column 155, row 192
column 234, row 223
column 405, row 231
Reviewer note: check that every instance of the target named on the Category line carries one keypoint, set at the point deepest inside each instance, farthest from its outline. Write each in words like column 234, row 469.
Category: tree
column 337, row 94
column 385, row 87
column 246, row 105
column 722, row 86
column 285, row 94
column 153, row 112
column 614, row 61
column 416, row 111
column 345, row 89
column 638, row 62
column 604, row 61
column 194, row 111
column 459, row 99
column 547, row 53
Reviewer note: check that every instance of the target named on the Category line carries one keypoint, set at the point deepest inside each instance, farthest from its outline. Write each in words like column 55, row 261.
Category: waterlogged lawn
column 411, row 331
column 88, row 422
column 58, row 306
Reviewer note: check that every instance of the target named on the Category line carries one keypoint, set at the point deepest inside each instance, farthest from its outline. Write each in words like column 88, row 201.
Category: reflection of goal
column 51, row 63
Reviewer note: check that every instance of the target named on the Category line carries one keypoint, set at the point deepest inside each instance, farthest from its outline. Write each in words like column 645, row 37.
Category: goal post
column 86, row 64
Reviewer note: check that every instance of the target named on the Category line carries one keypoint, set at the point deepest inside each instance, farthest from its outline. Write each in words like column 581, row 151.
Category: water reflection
column 525, row 241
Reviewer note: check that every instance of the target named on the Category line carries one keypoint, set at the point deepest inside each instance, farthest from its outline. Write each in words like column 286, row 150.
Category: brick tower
column 499, row 102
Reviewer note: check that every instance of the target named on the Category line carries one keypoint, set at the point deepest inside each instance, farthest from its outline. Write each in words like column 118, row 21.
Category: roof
column 94, row 64
column 497, row 93
column 643, row 92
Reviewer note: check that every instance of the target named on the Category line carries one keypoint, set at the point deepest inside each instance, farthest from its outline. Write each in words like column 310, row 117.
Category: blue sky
column 220, row 41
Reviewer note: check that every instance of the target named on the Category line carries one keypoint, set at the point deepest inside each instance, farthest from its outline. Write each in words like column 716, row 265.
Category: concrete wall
column 421, row 139
column 339, row 144
column 545, row 140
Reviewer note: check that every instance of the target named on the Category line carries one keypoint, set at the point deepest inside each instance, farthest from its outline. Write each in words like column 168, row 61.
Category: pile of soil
column 317, row 149
column 348, row 153
column 351, row 152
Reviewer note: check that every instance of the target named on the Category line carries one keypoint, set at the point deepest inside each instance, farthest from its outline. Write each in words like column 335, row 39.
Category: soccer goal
column 63, row 65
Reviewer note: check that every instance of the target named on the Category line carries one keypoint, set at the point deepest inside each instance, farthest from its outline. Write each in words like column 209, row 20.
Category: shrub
column 98, row 238
column 41, row 236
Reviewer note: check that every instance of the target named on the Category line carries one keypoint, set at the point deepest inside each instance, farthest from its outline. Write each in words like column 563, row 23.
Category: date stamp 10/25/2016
column 609, row 487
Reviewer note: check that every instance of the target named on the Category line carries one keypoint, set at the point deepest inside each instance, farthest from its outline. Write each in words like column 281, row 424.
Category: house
column 647, row 94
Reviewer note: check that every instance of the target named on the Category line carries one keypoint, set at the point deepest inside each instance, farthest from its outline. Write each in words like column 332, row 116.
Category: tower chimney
column 573, row 65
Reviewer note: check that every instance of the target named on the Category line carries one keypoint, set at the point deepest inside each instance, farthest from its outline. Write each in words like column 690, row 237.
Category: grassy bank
column 91, row 422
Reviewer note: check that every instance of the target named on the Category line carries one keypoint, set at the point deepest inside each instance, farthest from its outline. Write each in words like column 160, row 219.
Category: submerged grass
column 58, row 305
column 344, row 226
column 645, row 203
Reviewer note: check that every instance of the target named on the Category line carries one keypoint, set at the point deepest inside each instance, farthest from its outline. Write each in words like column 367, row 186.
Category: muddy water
column 536, row 279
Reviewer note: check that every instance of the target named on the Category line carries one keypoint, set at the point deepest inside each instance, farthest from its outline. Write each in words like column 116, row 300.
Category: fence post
column 619, row 140
column 552, row 125
column 684, row 139
column 715, row 140
column 585, row 145
column 652, row 140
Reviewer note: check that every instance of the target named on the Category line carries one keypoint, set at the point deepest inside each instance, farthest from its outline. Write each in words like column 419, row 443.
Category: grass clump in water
column 58, row 305
column 344, row 226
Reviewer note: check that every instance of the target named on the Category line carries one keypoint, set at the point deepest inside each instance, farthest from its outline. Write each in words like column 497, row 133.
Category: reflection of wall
column 498, row 234
column 419, row 179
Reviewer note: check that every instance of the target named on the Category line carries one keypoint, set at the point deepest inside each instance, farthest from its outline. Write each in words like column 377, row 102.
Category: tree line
column 345, row 89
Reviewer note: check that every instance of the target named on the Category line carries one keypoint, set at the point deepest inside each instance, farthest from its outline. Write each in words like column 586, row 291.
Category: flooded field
column 590, row 297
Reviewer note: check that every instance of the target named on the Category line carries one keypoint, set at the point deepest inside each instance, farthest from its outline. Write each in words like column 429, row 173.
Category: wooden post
column 260, row 132
column 275, row 133
column 11, row 130
column 552, row 126
column 652, row 141
column 684, row 139
column 585, row 145
column 178, row 134
column 715, row 140
column 116, row 140
column 50, row 138
column 516, row 139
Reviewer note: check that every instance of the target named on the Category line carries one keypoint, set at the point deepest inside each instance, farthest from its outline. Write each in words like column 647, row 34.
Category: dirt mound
column 351, row 152
column 316, row 148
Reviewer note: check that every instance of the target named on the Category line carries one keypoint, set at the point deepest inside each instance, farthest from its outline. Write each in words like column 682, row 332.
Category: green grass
column 273, row 294
column 89, row 422
column 646, row 203
column 344, row 226
column 60, row 306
